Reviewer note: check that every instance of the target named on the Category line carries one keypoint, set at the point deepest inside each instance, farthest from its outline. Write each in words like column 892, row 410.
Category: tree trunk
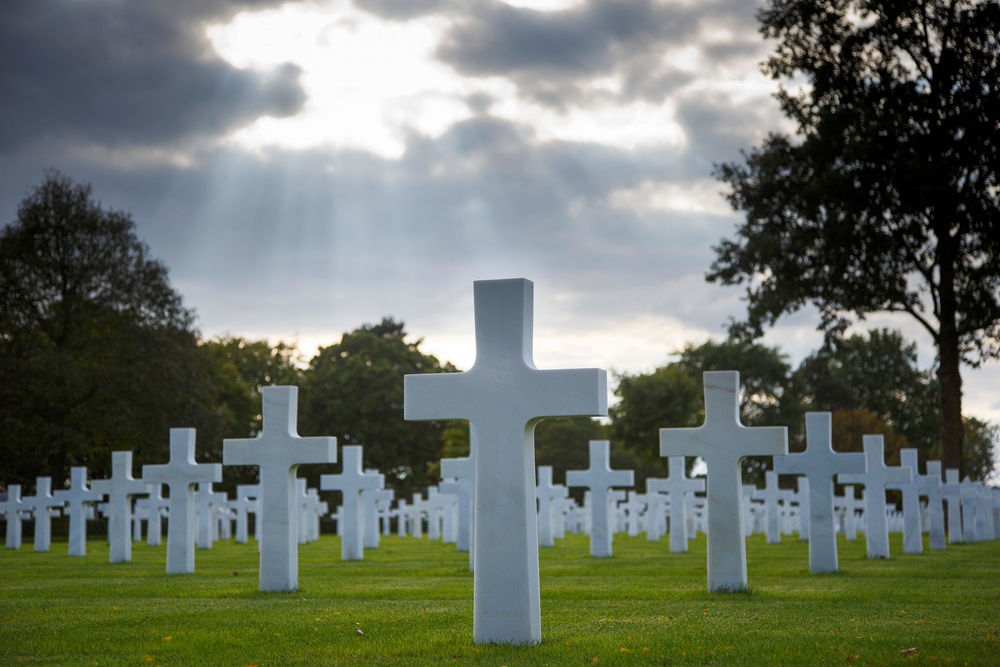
column 952, row 430
column 949, row 358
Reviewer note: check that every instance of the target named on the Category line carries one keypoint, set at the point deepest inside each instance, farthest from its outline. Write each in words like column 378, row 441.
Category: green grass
column 413, row 601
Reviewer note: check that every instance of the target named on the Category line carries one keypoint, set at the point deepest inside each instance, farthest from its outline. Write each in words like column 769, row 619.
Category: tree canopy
column 869, row 382
column 97, row 351
column 354, row 390
column 672, row 396
column 888, row 199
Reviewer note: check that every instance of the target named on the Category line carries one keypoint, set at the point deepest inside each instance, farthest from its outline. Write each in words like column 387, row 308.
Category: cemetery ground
column 410, row 602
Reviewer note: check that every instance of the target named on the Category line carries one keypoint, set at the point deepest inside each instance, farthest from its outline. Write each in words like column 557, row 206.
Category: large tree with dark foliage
column 97, row 352
column 888, row 198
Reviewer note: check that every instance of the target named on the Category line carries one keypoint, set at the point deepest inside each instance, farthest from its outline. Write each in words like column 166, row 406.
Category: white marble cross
column 819, row 463
column 930, row 486
column 442, row 512
column 801, row 499
column 599, row 478
column 547, row 493
column 16, row 512
column 722, row 441
column 418, row 508
column 877, row 476
column 463, row 470
column 970, row 496
column 773, row 497
column 504, row 396
column 913, row 541
column 155, row 506
column 180, row 475
column 678, row 486
column 952, row 492
column 852, row 506
column 656, row 512
column 208, row 505
column 79, row 499
column 278, row 452
column 633, row 507
column 461, row 489
column 42, row 504
column 120, row 490
column 247, row 502
column 991, row 511
column 753, row 511
column 371, row 498
column 404, row 515
column 351, row 481
column 310, row 509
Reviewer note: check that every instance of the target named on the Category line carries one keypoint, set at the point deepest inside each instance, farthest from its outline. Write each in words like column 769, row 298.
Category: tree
column 672, row 396
column 764, row 378
column 876, row 372
column 354, row 390
column 850, row 426
column 252, row 365
column 666, row 398
column 980, row 444
column 97, row 351
column 889, row 200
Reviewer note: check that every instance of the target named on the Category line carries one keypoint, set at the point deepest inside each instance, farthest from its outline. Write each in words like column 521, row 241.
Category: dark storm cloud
column 127, row 72
column 552, row 56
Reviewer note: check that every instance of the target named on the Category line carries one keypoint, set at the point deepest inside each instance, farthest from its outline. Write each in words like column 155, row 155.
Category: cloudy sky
column 306, row 167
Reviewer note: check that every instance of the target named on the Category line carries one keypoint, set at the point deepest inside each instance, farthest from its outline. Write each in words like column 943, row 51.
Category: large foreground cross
column 722, row 441
column 278, row 452
column 504, row 396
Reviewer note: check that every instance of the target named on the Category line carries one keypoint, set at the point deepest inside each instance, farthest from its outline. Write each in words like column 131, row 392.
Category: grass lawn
column 412, row 599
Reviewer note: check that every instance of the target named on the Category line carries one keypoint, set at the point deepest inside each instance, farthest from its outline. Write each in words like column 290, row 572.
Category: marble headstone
column 599, row 479
column 722, row 441
column 180, row 475
column 351, row 481
column 120, row 489
column 80, row 500
column 278, row 452
column 504, row 396
column 877, row 476
column 819, row 463
column 42, row 506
